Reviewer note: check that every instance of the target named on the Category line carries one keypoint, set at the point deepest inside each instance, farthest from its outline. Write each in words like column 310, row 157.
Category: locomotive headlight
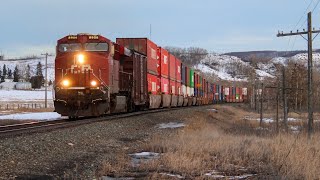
column 65, row 83
column 80, row 58
column 93, row 83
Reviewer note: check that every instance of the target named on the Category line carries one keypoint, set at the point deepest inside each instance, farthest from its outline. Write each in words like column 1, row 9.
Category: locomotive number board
column 93, row 37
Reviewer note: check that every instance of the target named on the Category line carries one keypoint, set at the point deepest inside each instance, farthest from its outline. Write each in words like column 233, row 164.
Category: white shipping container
column 244, row 91
column 188, row 91
column 184, row 90
column 191, row 91
column 226, row 91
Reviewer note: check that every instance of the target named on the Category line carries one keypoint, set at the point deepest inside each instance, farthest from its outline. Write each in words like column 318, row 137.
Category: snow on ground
column 271, row 120
column 138, row 158
column 261, row 73
column 171, row 125
column 173, row 175
column 16, row 95
column 32, row 116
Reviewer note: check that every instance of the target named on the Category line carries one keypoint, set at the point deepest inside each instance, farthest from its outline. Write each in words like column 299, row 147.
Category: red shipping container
column 178, row 88
column 164, row 62
column 153, row 84
column 178, row 70
column 164, row 85
column 187, row 76
column 172, row 67
column 144, row 46
column 172, row 87
column 227, row 94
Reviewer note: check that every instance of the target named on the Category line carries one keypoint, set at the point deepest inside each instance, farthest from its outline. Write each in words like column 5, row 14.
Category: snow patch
column 32, row 116
column 172, row 175
column 171, row 125
column 143, row 157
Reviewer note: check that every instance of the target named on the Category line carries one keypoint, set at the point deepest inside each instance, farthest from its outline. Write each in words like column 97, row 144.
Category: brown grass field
column 227, row 144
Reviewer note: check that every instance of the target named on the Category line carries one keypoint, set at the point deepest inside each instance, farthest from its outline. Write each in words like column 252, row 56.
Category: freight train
column 95, row 76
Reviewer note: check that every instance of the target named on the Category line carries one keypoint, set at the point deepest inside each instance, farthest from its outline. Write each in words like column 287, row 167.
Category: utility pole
column 261, row 105
column 310, row 82
column 277, row 116
column 46, row 81
column 284, row 98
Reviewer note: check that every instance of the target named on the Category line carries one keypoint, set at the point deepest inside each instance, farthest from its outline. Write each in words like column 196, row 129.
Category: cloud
column 22, row 50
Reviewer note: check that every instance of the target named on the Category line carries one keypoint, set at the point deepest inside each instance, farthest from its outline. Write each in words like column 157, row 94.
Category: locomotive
column 95, row 76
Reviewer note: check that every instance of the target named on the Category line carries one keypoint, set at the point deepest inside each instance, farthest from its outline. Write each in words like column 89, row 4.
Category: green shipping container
column 191, row 78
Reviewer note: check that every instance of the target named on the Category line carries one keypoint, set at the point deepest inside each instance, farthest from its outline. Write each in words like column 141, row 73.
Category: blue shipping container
column 183, row 74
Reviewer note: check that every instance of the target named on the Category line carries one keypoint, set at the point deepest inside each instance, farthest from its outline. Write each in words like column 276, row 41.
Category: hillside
column 22, row 64
column 247, row 56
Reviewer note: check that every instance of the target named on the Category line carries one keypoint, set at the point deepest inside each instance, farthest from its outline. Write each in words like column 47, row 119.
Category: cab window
column 69, row 47
column 96, row 47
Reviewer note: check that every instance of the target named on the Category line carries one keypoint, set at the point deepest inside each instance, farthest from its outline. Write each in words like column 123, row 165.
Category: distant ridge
column 248, row 55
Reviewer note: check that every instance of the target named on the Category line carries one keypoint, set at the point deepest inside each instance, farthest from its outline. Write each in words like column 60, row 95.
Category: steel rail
column 47, row 126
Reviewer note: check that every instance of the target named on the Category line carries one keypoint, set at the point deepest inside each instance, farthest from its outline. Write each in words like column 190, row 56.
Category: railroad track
column 45, row 126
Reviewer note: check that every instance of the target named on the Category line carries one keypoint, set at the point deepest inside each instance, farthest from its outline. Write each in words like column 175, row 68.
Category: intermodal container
column 184, row 90
column 153, row 83
column 164, row 85
column 191, row 92
column 188, row 91
column 188, row 78
column 172, row 67
column 178, row 88
column 237, row 94
column 222, row 97
column 245, row 94
column 163, row 56
column 183, row 74
column 233, row 94
column 199, row 81
column 240, row 94
column 227, row 94
column 172, row 87
column 192, row 78
column 144, row 46
column 178, row 70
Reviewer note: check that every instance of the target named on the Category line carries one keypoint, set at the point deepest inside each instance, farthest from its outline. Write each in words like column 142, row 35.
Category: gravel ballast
column 79, row 151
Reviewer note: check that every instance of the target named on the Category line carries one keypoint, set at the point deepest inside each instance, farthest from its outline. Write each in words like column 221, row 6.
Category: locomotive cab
column 82, row 67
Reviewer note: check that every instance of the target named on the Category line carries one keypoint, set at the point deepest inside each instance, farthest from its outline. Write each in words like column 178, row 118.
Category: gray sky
column 33, row 26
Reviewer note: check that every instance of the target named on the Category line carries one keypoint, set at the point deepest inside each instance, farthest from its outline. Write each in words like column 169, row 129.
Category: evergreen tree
column 39, row 70
column 4, row 71
column 28, row 74
column 9, row 73
column 39, row 73
column 16, row 74
column 2, row 79
column 0, row 75
column 50, row 83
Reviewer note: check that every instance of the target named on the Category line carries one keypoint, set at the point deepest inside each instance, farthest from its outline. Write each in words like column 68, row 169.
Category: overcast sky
column 33, row 26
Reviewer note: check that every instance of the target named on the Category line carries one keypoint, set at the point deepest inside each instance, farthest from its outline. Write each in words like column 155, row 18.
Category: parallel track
column 38, row 127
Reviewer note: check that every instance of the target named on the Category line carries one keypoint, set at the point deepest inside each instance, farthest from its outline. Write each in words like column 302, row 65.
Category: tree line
column 24, row 75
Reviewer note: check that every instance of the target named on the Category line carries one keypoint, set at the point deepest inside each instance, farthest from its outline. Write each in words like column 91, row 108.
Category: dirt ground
column 213, row 142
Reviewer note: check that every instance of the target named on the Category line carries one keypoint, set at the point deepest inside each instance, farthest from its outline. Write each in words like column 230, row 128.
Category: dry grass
column 216, row 141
